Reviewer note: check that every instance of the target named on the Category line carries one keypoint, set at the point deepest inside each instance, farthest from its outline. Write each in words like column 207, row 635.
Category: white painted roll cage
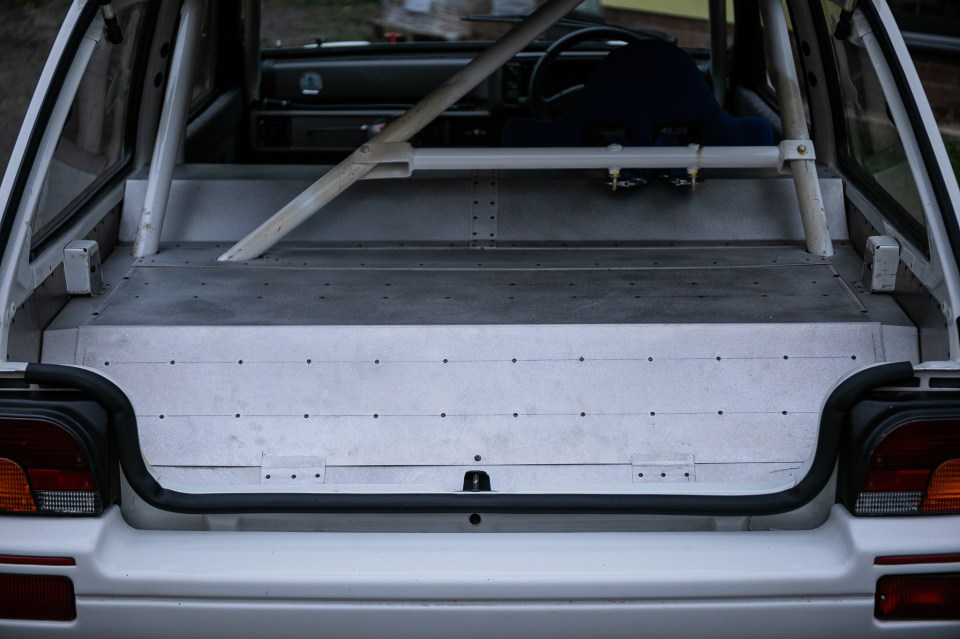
column 389, row 154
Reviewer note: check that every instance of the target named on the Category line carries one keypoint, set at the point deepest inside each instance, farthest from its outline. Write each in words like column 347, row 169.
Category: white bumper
column 201, row 584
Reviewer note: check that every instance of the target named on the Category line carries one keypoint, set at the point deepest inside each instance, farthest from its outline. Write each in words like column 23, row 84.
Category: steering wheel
column 546, row 107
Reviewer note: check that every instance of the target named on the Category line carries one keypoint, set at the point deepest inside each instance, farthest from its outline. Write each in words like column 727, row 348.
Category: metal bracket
column 656, row 469
column 389, row 159
column 81, row 267
column 881, row 260
column 858, row 28
column 796, row 150
column 384, row 152
column 842, row 30
column 292, row 470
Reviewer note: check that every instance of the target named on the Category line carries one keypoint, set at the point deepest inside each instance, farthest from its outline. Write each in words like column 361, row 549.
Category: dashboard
column 326, row 105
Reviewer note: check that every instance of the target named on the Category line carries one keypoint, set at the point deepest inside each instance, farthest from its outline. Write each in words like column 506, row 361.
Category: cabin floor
column 186, row 286
column 548, row 368
column 537, row 327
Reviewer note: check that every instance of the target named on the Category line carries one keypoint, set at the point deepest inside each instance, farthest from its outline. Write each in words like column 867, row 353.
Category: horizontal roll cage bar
column 389, row 154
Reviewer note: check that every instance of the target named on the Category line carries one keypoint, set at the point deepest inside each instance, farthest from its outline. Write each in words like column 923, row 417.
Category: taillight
column 44, row 469
column 37, row 598
column 918, row 597
column 914, row 467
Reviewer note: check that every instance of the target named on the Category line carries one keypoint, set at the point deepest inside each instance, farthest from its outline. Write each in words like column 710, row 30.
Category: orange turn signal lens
column 914, row 468
column 943, row 489
column 14, row 489
column 45, row 469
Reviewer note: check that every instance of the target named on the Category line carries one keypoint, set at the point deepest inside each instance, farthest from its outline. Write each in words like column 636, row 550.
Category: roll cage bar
column 389, row 154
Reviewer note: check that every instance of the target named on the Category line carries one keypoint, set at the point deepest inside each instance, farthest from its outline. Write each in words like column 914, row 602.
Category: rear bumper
column 199, row 584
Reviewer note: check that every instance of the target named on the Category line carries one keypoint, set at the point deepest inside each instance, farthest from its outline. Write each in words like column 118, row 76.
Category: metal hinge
column 663, row 468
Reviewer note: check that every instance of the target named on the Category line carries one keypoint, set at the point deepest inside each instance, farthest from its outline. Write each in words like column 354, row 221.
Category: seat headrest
column 644, row 87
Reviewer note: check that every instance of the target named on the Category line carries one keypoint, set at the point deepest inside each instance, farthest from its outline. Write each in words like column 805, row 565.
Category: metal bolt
column 364, row 149
column 802, row 149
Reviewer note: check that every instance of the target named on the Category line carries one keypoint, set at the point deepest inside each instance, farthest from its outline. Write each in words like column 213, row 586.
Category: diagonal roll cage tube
column 388, row 155
column 402, row 129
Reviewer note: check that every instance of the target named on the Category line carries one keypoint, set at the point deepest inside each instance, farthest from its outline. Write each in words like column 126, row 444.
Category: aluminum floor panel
column 584, row 395
column 187, row 287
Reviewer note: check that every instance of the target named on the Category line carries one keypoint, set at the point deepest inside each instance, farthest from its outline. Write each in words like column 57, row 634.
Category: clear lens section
column 44, row 467
column 914, row 468
column 67, row 502
column 901, row 502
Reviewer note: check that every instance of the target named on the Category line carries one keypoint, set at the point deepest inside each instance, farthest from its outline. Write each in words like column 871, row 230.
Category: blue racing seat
column 649, row 93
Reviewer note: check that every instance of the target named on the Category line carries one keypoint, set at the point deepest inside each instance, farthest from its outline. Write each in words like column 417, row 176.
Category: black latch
column 845, row 20
column 114, row 35
column 476, row 481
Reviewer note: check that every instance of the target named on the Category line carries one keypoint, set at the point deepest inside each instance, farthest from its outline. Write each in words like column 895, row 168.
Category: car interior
column 532, row 324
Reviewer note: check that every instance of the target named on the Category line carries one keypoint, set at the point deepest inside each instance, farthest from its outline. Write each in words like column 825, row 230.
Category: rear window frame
column 113, row 175
column 916, row 234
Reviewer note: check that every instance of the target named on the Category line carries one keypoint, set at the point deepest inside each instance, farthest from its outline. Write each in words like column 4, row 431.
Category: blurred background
column 28, row 29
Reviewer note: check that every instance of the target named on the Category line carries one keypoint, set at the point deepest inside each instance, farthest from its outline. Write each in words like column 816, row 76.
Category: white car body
column 566, row 548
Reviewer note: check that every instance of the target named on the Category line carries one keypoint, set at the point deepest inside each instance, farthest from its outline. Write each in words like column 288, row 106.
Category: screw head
column 802, row 149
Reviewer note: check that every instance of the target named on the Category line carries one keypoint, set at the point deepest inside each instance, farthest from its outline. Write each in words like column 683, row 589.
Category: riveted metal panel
column 438, row 212
column 553, row 395
column 472, row 293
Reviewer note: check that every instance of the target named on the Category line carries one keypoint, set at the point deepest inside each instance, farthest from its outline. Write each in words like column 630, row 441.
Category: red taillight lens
column 44, row 468
column 37, row 598
column 914, row 468
column 24, row 560
column 918, row 597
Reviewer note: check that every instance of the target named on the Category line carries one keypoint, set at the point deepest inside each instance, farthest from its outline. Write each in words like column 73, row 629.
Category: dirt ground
column 29, row 27
column 27, row 31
